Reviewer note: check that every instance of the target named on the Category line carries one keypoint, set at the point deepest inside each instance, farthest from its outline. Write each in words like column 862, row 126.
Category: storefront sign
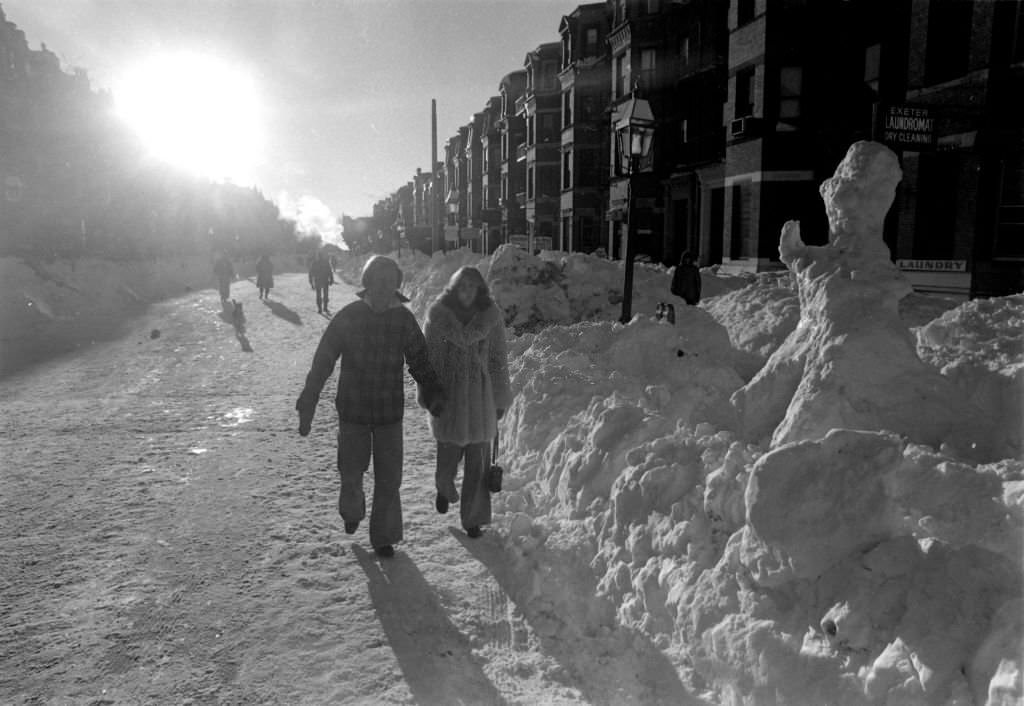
column 908, row 128
column 933, row 265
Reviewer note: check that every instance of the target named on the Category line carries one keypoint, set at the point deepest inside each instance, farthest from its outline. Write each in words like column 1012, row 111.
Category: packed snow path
column 167, row 537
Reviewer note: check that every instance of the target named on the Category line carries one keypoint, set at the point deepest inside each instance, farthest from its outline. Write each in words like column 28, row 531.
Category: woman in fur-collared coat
column 465, row 336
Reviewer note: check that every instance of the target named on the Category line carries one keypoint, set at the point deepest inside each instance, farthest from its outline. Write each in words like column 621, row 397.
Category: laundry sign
column 933, row 265
column 908, row 128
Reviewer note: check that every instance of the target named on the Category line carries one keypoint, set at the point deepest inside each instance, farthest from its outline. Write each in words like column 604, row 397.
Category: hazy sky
column 345, row 84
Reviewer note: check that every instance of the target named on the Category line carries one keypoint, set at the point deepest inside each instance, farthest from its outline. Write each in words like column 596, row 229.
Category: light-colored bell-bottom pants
column 475, row 499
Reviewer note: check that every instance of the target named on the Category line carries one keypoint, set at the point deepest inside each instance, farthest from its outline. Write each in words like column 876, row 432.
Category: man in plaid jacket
column 373, row 336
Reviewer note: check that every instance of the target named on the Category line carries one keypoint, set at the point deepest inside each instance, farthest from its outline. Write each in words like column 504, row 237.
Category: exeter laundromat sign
column 908, row 128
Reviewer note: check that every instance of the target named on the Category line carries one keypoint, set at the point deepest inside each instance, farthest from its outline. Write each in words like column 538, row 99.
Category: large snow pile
column 844, row 527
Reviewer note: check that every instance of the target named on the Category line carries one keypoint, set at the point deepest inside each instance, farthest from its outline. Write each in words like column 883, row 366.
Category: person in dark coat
column 321, row 277
column 686, row 280
column 264, row 276
column 225, row 273
column 373, row 337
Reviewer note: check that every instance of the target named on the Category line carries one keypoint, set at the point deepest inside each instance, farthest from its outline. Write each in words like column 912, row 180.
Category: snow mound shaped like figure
column 851, row 363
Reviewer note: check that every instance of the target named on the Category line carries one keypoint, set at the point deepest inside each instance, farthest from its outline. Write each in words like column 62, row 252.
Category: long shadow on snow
column 279, row 309
column 435, row 657
column 573, row 642
column 227, row 316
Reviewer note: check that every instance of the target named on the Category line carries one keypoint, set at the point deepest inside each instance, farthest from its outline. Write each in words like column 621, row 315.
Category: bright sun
column 196, row 112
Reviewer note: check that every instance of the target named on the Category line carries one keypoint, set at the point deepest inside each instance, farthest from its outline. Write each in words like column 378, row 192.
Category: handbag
column 494, row 470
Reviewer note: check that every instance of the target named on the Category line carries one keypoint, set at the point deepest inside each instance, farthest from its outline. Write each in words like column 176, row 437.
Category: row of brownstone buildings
column 755, row 103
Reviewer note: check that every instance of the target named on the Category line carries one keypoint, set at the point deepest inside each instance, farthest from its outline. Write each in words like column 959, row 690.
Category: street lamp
column 634, row 136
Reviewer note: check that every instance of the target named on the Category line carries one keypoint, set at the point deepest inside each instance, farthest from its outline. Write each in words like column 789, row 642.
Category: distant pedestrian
column 373, row 336
column 466, row 339
column 321, row 277
column 225, row 274
column 264, row 276
column 686, row 280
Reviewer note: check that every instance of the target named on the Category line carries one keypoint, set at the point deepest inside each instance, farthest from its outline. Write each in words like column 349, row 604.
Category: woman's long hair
column 483, row 293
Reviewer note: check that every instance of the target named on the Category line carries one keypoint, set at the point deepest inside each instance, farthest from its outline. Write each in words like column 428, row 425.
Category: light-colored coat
column 472, row 362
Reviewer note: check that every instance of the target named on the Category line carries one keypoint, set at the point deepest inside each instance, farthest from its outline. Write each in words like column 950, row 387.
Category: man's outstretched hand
column 305, row 420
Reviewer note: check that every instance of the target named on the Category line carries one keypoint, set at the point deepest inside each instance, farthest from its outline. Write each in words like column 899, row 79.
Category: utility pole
column 434, row 210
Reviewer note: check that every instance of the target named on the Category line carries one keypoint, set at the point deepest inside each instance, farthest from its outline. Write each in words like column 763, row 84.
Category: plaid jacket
column 373, row 348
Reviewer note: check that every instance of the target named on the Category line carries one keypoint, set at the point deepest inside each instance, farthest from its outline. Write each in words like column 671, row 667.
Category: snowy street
column 808, row 489
column 168, row 537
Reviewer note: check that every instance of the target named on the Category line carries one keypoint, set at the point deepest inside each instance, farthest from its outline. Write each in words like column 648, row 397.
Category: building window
column 548, row 127
column 949, row 37
column 684, row 129
column 567, row 169
column 567, row 108
column 873, row 65
column 1017, row 54
column 531, row 130
column 1009, row 242
column 653, row 6
column 529, row 182
column 790, row 89
column 684, row 52
column 566, row 49
column 937, row 203
column 549, row 76
column 621, row 75
column 591, row 48
column 586, row 171
column 744, row 12
column 744, row 99
column 647, row 68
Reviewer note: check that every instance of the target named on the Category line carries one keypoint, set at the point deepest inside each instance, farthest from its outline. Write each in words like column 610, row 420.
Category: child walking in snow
column 373, row 337
column 466, row 342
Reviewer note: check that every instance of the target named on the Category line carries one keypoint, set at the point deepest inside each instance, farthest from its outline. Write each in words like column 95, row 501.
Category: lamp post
column 634, row 136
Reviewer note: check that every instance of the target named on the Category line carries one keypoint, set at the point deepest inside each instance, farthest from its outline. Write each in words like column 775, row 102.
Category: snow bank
column 980, row 348
column 794, row 496
column 55, row 305
column 536, row 291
